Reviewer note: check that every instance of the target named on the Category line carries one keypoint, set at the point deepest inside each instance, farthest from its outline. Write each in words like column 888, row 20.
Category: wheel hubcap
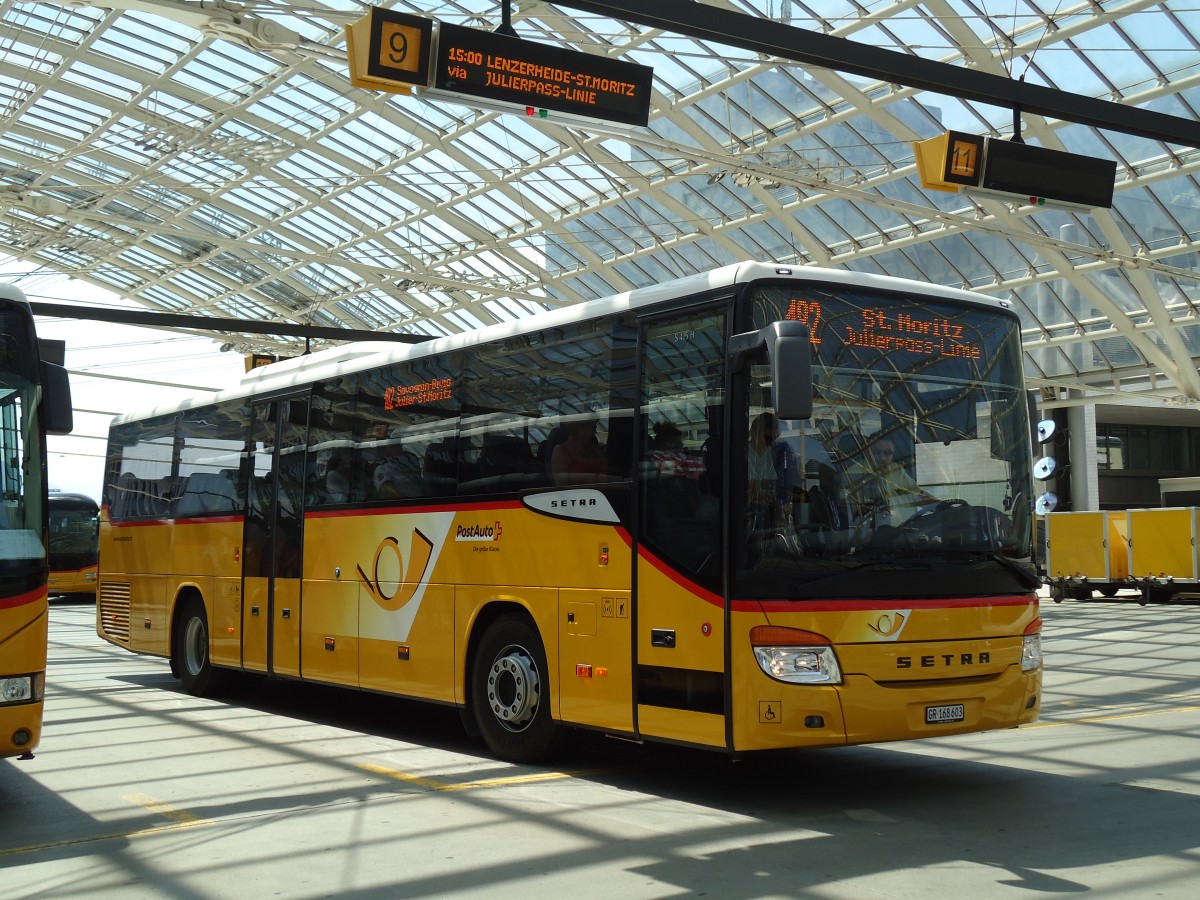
column 195, row 645
column 513, row 688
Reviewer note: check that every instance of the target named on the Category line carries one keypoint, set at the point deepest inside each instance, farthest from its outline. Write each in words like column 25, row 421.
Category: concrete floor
column 139, row 790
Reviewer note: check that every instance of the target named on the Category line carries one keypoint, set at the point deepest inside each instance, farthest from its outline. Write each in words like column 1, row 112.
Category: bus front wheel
column 511, row 692
column 189, row 653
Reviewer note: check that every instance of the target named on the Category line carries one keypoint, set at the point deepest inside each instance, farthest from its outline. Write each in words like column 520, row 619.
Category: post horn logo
column 888, row 625
column 410, row 578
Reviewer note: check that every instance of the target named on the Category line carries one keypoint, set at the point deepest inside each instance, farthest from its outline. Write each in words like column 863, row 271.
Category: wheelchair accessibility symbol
column 769, row 712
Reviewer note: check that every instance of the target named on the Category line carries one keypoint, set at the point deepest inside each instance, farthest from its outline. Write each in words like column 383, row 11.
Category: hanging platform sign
column 389, row 51
column 402, row 53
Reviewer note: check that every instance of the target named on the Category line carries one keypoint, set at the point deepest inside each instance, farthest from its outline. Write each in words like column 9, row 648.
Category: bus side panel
column 225, row 631
column 380, row 580
column 23, row 651
column 418, row 662
column 595, row 665
column 256, row 613
column 681, row 659
column 127, row 551
column 329, row 633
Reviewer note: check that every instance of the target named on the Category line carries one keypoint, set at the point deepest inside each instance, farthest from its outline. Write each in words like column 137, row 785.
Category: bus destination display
column 890, row 330
column 506, row 69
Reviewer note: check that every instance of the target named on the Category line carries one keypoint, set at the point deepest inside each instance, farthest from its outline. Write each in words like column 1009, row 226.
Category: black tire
column 510, row 692
column 189, row 651
column 1109, row 590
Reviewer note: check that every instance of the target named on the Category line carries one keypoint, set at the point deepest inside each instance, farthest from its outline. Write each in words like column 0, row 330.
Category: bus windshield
column 74, row 520
column 915, row 463
column 21, row 486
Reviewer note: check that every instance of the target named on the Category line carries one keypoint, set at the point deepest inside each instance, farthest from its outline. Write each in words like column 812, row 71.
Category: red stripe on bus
column 683, row 581
column 23, row 599
column 883, row 604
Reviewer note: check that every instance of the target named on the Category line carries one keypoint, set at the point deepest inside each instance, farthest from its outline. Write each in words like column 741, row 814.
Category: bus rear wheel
column 511, row 692
column 189, row 651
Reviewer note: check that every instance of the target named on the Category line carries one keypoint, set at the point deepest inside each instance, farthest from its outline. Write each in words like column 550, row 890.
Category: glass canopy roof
column 212, row 158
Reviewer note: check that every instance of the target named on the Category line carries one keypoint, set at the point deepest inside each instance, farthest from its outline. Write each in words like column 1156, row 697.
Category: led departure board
column 889, row 330
column 506, row 69
column 401, row 395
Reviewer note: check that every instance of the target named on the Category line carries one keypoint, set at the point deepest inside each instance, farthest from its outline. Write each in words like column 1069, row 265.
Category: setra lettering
column 946, row 659
column 572, row 502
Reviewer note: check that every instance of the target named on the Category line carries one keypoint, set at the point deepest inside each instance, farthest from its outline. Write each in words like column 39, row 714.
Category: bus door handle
column 662, row 637
column 287, row 613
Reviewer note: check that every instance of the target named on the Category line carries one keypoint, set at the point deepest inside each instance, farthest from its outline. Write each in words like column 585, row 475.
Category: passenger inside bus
column 337, row 479
column 884, row 492
column 772, row 474
column 579, row 459
column 669, row 456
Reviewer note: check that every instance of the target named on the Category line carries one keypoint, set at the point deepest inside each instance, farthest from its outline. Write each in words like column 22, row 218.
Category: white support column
column 1085, row 482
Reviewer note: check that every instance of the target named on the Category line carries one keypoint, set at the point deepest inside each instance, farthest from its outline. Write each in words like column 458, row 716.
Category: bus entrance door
column 271, row 556
column 680, row 643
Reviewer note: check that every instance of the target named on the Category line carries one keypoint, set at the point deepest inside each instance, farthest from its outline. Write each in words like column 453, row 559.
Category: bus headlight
column 1031, row 647
column 795, row 656
column 16, row 689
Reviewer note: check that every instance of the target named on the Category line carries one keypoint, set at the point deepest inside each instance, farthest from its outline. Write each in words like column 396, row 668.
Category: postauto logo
column 479, row 532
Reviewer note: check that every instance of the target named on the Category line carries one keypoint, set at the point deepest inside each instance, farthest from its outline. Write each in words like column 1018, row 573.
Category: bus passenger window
column 579, row 459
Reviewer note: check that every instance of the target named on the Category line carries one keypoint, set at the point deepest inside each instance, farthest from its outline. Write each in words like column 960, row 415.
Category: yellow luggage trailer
column 1162, row 552
column 1085, row 552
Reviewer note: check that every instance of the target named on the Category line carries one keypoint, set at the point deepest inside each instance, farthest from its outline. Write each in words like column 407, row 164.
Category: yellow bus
column 74, row 551
column 35, row 399
column 644, row 515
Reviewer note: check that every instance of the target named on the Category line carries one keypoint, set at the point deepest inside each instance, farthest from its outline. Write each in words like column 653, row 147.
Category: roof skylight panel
column 122, row 279
column 98, row 172
column 503, row 214
column 29, row 59
column 146, row 259
column 317, row 227
column 65, row 23
column 205, row 288
column 68, row 116
column 310, row 174
column 158, row 49
column 201, row 167
column 594, row 283
column 378, row 141
column 992, row 258
column 491, row 154
column 263, row 197
column 311, row 104
column 222, row 73
column 165, row 297
column 221, row 221
column 105, row 82
column 382, row 204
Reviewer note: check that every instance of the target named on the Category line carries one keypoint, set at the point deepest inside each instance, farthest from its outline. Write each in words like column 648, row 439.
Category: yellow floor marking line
column 434, row 785
column 180, row 819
